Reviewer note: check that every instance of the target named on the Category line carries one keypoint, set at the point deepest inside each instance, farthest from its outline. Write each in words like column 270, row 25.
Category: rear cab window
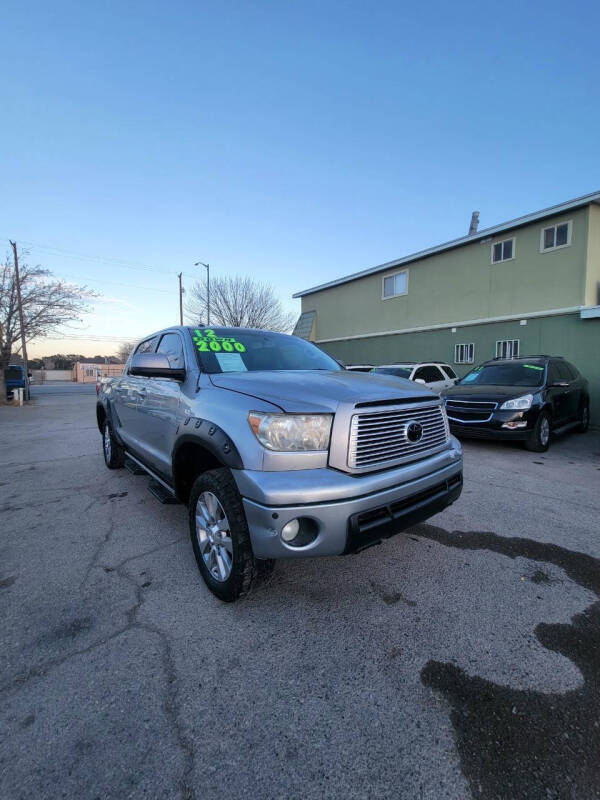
column 147, row 346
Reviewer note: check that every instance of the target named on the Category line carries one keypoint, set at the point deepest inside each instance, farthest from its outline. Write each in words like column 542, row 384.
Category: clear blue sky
column 292, row 141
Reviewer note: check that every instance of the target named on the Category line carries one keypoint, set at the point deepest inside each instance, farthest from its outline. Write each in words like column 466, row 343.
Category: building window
column 555, row 236
column 503, row 251
column 395, row 285
column 507, row 348
column 464, row 353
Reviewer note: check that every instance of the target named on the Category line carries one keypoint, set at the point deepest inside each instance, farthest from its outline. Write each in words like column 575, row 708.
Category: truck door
column 158, row 408
column 129, row 391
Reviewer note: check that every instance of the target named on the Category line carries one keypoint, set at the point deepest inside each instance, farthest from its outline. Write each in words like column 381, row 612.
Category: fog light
column 517, row 424
column 290, row 530
column 300, row 532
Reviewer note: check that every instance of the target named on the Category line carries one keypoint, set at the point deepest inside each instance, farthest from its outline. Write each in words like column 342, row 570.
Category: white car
column 359, row 367
column 434, row 374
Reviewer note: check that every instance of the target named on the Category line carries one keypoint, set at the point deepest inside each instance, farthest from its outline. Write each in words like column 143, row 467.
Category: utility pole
column 207, row 266
column 21, row 319
column 180, row 299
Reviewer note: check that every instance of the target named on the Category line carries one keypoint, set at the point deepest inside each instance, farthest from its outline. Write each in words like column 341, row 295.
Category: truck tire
column 220, row 537
column 538, row 440
column 114, row 457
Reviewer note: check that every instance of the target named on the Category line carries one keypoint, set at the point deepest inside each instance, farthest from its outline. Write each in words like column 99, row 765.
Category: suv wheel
column 220, row 536
column 114, row 457
column 584, row 423
column 539, row 439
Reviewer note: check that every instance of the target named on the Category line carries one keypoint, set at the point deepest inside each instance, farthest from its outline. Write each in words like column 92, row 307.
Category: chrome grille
column 381, row 438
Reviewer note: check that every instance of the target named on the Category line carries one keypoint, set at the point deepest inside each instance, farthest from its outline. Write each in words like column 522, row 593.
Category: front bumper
column 494, row 427
column 350, row 512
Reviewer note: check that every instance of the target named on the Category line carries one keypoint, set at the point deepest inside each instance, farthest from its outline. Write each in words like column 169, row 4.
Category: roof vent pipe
column 474, row 223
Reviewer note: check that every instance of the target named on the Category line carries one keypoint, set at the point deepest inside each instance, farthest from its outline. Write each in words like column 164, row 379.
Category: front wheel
column 220, row 536
column 538, row 440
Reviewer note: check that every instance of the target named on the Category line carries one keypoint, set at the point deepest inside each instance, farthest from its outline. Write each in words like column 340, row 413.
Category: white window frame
column 393, row 275
column 464, row 353
column 511, row 346
column 568, row 223
column 512, row 239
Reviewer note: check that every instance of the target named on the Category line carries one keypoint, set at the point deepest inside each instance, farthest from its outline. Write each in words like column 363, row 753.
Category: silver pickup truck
column 276, row 450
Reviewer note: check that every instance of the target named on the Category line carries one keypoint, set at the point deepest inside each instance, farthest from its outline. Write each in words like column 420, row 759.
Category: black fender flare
column 210, row 436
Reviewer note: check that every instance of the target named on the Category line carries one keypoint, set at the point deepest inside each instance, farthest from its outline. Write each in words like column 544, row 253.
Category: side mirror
column 155, row 365
column 420, row 380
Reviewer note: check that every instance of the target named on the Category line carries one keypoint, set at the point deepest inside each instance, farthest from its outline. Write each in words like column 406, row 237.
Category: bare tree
column 238, row 302
column 124, row 350
column 47, row 304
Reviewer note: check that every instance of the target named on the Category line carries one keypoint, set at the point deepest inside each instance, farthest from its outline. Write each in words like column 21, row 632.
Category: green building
column 528, row 286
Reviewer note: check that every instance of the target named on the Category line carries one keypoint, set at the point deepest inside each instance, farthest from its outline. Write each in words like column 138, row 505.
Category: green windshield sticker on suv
column 533, row 366
column 207, row 341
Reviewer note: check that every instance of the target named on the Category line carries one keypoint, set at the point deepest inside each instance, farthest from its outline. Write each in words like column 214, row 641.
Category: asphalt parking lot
column 458, row 660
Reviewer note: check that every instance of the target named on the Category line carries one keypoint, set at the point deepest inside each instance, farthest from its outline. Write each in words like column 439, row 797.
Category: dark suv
column 521, row 398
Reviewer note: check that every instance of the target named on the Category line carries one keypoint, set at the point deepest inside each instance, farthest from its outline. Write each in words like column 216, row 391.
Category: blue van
column 14, row 377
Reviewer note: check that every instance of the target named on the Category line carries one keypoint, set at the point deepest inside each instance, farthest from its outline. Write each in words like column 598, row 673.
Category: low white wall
column 51, row 375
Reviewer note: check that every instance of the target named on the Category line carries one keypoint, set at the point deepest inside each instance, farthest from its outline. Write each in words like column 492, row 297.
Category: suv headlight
column 291, row 432
column 518, row 404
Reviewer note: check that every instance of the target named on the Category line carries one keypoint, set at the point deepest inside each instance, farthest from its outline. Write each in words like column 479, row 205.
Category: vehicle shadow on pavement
column 528, row 744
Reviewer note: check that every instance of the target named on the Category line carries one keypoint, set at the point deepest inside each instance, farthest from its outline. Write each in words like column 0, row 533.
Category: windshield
column 239, row 350
column 398, row 372
column 506, row 375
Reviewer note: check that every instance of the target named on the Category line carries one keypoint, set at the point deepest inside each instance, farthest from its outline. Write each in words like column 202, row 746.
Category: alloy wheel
column 107, row 443
column 214, row 536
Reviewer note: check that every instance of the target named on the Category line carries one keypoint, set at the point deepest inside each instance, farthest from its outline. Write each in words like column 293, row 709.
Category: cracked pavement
column 121, row 676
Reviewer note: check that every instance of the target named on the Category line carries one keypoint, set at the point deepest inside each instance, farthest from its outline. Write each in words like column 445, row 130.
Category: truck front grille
column 401, row 434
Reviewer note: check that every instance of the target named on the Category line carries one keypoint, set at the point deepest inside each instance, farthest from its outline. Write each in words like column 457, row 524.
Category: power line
column 114, row 283
column 63, row 252
column 92, row 337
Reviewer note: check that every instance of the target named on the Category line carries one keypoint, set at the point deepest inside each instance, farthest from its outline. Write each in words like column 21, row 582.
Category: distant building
column 88, row 371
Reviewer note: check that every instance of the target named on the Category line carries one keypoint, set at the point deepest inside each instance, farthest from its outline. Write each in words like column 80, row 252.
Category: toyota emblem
column 414, row 431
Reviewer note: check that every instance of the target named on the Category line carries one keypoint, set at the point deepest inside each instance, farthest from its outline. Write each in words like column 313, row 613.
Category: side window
column 147, row 346
column 172, row 346
column 428, row 374
column 573, row 370
column 449, row 372
column 563, row 371
column 553, row 375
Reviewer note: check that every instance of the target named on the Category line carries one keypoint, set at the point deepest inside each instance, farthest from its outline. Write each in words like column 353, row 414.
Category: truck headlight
column 518, row 404
column 291, row 432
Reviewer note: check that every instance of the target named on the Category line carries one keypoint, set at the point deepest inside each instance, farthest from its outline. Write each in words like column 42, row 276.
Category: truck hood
column 319, row 391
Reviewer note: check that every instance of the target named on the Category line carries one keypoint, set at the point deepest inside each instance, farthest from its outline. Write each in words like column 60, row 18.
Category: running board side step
column 134, row 468
column 157, row 487
column 163, row 495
